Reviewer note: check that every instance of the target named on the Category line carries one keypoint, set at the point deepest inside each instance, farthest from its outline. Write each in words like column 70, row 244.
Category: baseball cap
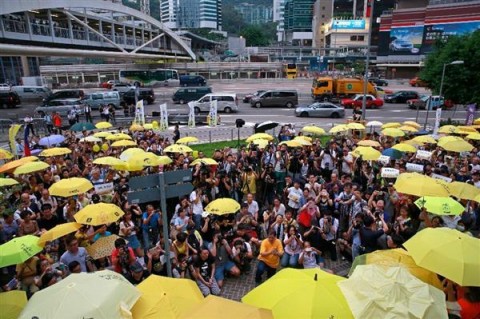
column 136, row 267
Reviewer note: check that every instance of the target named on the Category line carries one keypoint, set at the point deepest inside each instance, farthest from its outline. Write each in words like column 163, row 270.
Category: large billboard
column 405, row 40
column 442, row 31
column 348, row 24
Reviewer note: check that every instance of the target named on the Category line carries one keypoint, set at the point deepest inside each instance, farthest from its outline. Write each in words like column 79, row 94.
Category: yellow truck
column 334, row 89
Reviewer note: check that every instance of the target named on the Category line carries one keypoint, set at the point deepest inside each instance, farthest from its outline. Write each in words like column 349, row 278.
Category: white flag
column 191, row 114
column 139, row 113
column 213, row 113
column 163, row 117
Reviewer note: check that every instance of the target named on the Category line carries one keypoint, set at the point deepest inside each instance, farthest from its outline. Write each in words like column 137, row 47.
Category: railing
column 61, row 32
column 15, row 26
column 79, row 35
column 40, row 29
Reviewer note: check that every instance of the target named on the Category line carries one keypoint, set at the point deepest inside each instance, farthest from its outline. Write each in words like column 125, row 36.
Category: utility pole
column 367, row 62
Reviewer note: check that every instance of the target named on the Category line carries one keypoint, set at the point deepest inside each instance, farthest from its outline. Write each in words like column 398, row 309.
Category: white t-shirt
column 197, row 208
column 280, row 210
column 346, row 168
column 253, row 208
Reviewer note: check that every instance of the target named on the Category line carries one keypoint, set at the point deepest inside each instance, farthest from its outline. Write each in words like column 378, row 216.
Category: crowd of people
column 299, row 207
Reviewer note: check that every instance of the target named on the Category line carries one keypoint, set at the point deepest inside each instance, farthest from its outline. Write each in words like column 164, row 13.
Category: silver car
column 320, row 109
column 62, row 107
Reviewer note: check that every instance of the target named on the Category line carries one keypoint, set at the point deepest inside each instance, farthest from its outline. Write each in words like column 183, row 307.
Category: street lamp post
column 367, row 61
column 457, row 62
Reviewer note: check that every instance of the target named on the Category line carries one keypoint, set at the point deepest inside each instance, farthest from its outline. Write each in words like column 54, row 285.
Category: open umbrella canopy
column 148, row 126
column 56, row 151
column 118, row 137
column 265, row 126
column 70, row 187
column 168, row 298
column 447, row 252
column 18, row 250
column 31, row 167
column 260, row 143
column 216, row 308
column 465, row 130
column 367, row 153
column 302, row 141
column 12, row 303
column 374, row 124
column 463, row 190
column 392, row 153
column 187, row 139
column 440, row 205
column 473, row 136
column 102, row 247
column 339, row 129
column 301, row 293
column 292, row 143
column 223, row 206
column 369, row 143
column 313, row 130
column 124, row 143
column 82, row 126
column 51, row 140
column 136, row 128
column 102, row 134
column 85, row 295
column 425, row 139
column 391, row 125
column 108, row 160
column 99, row 214
column 58, row 231
column 408, row 128
column 206, row 161
column 355, row 126
column 393, row 132
column 103, row 125
column 402, row 147
column 376, row 292
column 413, row 124
column 455, row 145
column 126, row 154
column 14, row 164
column 447, row 129
column 163, row 160
column 4, row 154
column 142, row 159
column 262, row 136
column 421, row 185
column 90, row 139
column 7, row 182
column 177, row 148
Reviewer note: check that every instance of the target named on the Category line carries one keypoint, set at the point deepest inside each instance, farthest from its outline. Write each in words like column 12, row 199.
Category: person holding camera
column 221, row 251
column 369, row 234
column 328, row 229
column 268, row 178
column 249, row 181
column 196, row 201
column 293, row 245
column 242, row 254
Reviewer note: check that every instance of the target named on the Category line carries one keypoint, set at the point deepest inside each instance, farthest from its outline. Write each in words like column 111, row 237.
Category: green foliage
column 254, row 36
column 461, row 82
column 206, row 33
column 232, row 20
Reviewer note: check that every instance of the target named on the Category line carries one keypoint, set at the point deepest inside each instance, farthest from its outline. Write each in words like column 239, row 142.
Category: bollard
column 231, row 131
column 210, row 136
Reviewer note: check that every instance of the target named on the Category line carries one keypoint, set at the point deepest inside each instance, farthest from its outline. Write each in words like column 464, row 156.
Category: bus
column 290, row 70
column 166, row 77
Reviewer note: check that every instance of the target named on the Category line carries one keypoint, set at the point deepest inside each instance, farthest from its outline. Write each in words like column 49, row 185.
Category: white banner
column 414, row 167
column 213, row 113
column 424, row 155
column 191, row 114
column 443, row 178
column 139, row 113
column 438, row 117
column 104, row 188
column 384, row 159
column 163, row 117
column 388, row 172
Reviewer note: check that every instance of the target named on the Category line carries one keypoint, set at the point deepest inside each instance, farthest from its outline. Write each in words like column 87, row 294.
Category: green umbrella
column 18, row 250
column 82, row 126
column 440, row 205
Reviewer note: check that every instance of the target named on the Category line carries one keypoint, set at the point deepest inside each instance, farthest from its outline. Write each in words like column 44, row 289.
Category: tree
column 461, row 82
column 254, row 36
column 232, row 20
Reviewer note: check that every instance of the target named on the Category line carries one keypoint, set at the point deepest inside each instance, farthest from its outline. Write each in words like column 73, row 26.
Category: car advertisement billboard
column 442, row 31
column 405, row 40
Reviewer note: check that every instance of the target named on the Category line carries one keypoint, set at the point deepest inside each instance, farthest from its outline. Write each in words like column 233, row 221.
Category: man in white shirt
column 294, row 194
column 347, row 162
column 252, row 206
column 196, row 198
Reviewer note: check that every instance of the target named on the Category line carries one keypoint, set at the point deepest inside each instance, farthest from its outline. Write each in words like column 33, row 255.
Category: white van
column 32, row 92
column 96, row 99
column 226, row 102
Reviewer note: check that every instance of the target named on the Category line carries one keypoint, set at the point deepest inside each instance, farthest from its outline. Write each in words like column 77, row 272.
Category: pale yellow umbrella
column 16, row 163
column 447, row 129
column 31, row 167
column 163, row 160
column 291, row 143
column 369, row 143
column 206, row 161
column 108, row 160
column 412, row 123
column 7, row 182
column 4, row 154
column 262, row 136
column 339, row 129
column 103, row 125
column 187, row 139
column 302, row 141
column 148, row 126
column 90, row 139
column 123, row 143
column 313, row 130
column 402, row 147
column 260, row 143
column 464, row 128
column 477, row 121
column 125, row 155
column 408, row 128
column 118, row 136
column 367, row 153
column 473, row 136
column 391, row 125
column 413, row 143
column 355, row 126
column 56, row 151
column 102, row 134
column 177, row 148
column 136, row 128
column 307, row 138
column 425, row 139
column 393, row 132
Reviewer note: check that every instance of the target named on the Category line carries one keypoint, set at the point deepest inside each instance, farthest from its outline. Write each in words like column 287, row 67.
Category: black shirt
column 204, row 266
column 369, row 238
column 134, row 281
column 48, row 223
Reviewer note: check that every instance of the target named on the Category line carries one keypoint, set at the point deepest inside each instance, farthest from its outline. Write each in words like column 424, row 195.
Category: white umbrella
column 51, row 140
column 374, row 123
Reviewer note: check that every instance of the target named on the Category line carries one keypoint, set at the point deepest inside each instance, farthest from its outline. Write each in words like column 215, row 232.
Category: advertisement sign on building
column 406, row 40
column 348, row 24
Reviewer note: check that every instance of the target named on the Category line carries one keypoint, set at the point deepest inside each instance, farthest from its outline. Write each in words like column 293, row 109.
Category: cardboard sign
column 104, row 188
column 424, row 155
column 388, row 172
column 384, row 159
column 414, row 168
column 443, row 178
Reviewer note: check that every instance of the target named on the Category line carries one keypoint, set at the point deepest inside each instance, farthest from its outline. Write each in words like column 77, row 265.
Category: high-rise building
column 278, row 10
column 199, row 14
column 168, row 13
column 297, row 20
column 255, row 14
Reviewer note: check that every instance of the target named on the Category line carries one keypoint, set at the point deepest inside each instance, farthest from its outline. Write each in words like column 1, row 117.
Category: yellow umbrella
column 393, row 132
column 465, row 129
column 367, row 153
column 143, row 159
column 102, row 134
column 56, row 151
column 59, row 231
column 4, row 154
column 163, row 160
column 126, row 154
column 128, row 167
column 408, row 128
column 166, row 298
column 303, row 137
column 260, row 143
column 7, row 182
column 302, row 141
column 70, row 187
column 291, row 143
column 148, row 126
column 206, row 161
column 262, row 136
column 12, row 303
column 118, row 136
column 99, row 295
column 421, row 185
column 216, row 307
column 369, row 143
column 425, row 139
column 445, row 206
column 397, row 257
column 136, row 128
column 473, row 136
column 301, row 293
column 376, row 292
column 187, row 139
column 391, row 125
column 14, row 164
column 457, row 146
column 355, row 126
column 447, row 252
column 412, row 143
column 102, row 247
column 463, row 190
column 402, row 147
column 413, row 124
column 123, row 143
column 103, row 125
column 477, row 121
column 313, row 130
column 339, row 129
column 223, row 206
column 31, row 167
column 99, row 214
column 108, row 160
column 177, row 148
column 447, row 129
column 90, row 139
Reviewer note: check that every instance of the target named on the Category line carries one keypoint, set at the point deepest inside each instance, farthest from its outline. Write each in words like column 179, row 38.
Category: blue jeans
column 289, row 260
column 261, row 268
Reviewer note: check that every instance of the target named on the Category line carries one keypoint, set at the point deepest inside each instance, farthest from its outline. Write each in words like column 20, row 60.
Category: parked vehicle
column 371, row 102
column 192, row 80
column 109, row 98
column 248, row 97
column 144, row 94
column 400, row 97
column 288, row 98
column 65, row 94
column 109, row 84
column 123, row 87
column 378, row 81
column 226, row 102
column 9, row 99
column 185, row 95
column 382, row 91
column 329, row 89
column 401, row 45
column 320, row 109
column 435, row 101
column 32, row 92
column 417, row 82
column 62, row 107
